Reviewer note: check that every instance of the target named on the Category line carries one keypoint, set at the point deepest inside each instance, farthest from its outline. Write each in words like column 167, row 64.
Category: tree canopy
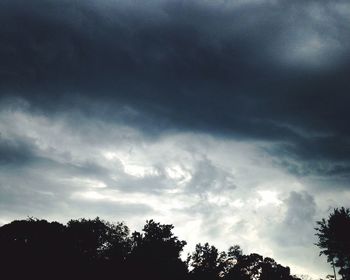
column 97, row 249
column 334, row 240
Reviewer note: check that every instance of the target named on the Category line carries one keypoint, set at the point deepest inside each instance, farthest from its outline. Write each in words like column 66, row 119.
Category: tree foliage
column 206, row 262
column 334, row 240
column 96, row 249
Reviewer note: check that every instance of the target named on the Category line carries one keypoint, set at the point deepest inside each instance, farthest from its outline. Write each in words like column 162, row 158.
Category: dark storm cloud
column 15, row 152
column 263, row 70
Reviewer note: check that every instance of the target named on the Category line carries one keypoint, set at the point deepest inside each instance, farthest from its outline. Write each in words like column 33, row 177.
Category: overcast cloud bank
column 227, row 118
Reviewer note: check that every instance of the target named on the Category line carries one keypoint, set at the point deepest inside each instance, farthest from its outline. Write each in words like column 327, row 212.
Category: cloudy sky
column 226, row 118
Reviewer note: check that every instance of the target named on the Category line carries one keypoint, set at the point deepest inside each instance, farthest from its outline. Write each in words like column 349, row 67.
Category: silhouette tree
column 156, row 253
column 270, row 270
column 33, row 248
column 85, row 248
column 333, row 240
column 247, row 267
column 100, row 246
column 206, row 262
column 96, row 249
column 232, row 256
column 118, row 242
column 88, row 236
column 254, row 266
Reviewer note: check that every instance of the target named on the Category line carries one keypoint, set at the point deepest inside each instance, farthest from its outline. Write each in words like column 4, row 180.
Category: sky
column 228, row 119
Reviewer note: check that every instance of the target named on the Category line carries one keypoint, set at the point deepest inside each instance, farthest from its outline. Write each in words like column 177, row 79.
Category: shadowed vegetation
column 96, row 249
column 334, row 240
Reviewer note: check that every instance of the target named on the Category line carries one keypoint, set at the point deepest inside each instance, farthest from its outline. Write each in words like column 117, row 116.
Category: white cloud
column 218, row 190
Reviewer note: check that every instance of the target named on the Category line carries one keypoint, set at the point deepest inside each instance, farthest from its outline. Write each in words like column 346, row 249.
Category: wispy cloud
column 227, row 118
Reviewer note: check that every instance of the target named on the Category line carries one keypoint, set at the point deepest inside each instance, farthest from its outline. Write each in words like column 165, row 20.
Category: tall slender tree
column 334, row 240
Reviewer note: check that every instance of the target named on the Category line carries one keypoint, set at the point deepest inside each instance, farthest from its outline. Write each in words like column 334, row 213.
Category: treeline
column 96, row 249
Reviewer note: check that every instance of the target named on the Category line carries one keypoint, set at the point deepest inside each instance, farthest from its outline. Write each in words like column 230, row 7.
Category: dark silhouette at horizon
column 96, row 249
column 334, row 241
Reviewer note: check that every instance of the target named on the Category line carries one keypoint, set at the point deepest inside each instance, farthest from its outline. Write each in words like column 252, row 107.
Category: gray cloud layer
column 267, row 70
column 227, row 118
